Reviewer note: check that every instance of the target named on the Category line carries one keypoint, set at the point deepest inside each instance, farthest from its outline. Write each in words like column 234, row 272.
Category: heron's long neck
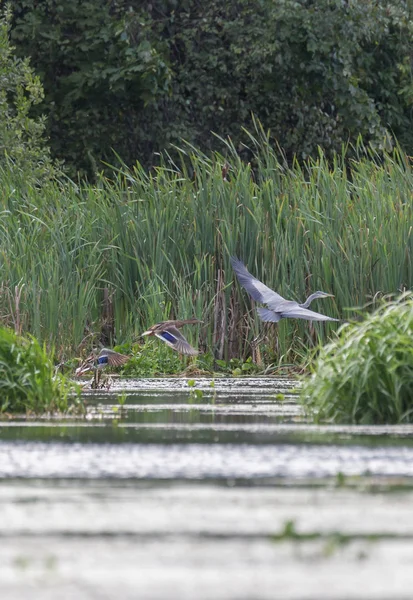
column 307, row 303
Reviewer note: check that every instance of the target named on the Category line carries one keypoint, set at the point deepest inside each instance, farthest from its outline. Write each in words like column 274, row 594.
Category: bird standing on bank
column 168, row 332
column 278, row 307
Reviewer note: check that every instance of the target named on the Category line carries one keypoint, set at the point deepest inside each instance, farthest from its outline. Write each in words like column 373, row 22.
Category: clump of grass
column 151, row 359
column 366, row 375
column 27, row 380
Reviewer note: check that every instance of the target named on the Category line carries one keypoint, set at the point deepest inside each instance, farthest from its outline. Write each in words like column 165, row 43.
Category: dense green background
column 86, row 262
column 135, row 76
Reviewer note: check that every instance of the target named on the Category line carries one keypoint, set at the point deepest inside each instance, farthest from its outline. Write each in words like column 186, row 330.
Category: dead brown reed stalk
column 219, row 316
column 14, row 304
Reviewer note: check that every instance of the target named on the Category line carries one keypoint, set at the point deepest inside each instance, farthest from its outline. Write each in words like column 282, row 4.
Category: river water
column 220, row 490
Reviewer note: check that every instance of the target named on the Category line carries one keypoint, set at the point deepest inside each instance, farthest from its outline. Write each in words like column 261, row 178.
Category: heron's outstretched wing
column 174, row 338
column 268, row 316
column 297, row 312
column 256, row 289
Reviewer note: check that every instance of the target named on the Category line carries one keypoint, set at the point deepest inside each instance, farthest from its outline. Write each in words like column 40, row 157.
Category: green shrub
column 27, row 380
column 366, row 374
column 153, row 358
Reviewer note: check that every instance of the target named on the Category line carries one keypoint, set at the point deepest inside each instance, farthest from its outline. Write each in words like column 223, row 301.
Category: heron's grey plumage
column 278, row 307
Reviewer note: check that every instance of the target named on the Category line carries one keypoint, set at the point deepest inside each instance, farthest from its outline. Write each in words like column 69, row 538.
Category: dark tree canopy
column 135, row 76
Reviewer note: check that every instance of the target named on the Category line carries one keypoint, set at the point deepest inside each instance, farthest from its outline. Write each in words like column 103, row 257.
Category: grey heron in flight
column 278, row 307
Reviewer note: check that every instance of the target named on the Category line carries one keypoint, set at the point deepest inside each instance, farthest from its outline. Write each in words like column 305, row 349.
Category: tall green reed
column 159, row 244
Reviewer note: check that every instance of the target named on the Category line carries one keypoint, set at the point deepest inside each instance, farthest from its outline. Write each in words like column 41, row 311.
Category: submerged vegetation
column 82, row 264
column 27, row 380
column 366, row 374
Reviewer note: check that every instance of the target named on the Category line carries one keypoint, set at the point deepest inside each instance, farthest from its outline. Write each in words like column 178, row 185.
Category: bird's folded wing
column 256, row 289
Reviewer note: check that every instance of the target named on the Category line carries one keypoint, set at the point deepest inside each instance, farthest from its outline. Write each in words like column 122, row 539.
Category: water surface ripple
column 199, row 461
column 224, row 492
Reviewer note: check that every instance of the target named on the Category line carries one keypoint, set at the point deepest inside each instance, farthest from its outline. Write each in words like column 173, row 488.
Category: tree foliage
column 100, row 70
column 136, row 76
column 22, row 142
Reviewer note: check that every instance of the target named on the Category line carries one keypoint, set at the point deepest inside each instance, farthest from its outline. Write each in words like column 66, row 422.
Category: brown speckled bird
column 168, row 332
column 97, row 361
column 105, row 358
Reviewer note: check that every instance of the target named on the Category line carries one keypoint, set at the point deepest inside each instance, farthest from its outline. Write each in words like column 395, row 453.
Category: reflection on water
column 246, row 411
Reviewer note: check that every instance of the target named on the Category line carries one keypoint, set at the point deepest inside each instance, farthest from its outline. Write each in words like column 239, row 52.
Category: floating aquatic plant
column 366, row 374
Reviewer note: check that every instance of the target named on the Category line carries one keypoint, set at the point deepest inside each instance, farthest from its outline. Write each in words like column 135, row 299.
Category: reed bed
column 81, row 263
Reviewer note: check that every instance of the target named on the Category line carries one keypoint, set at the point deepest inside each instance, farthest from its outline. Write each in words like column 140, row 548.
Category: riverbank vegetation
column 83, row 263
column 86, row 263
column 366, row 374
column 28, row 382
